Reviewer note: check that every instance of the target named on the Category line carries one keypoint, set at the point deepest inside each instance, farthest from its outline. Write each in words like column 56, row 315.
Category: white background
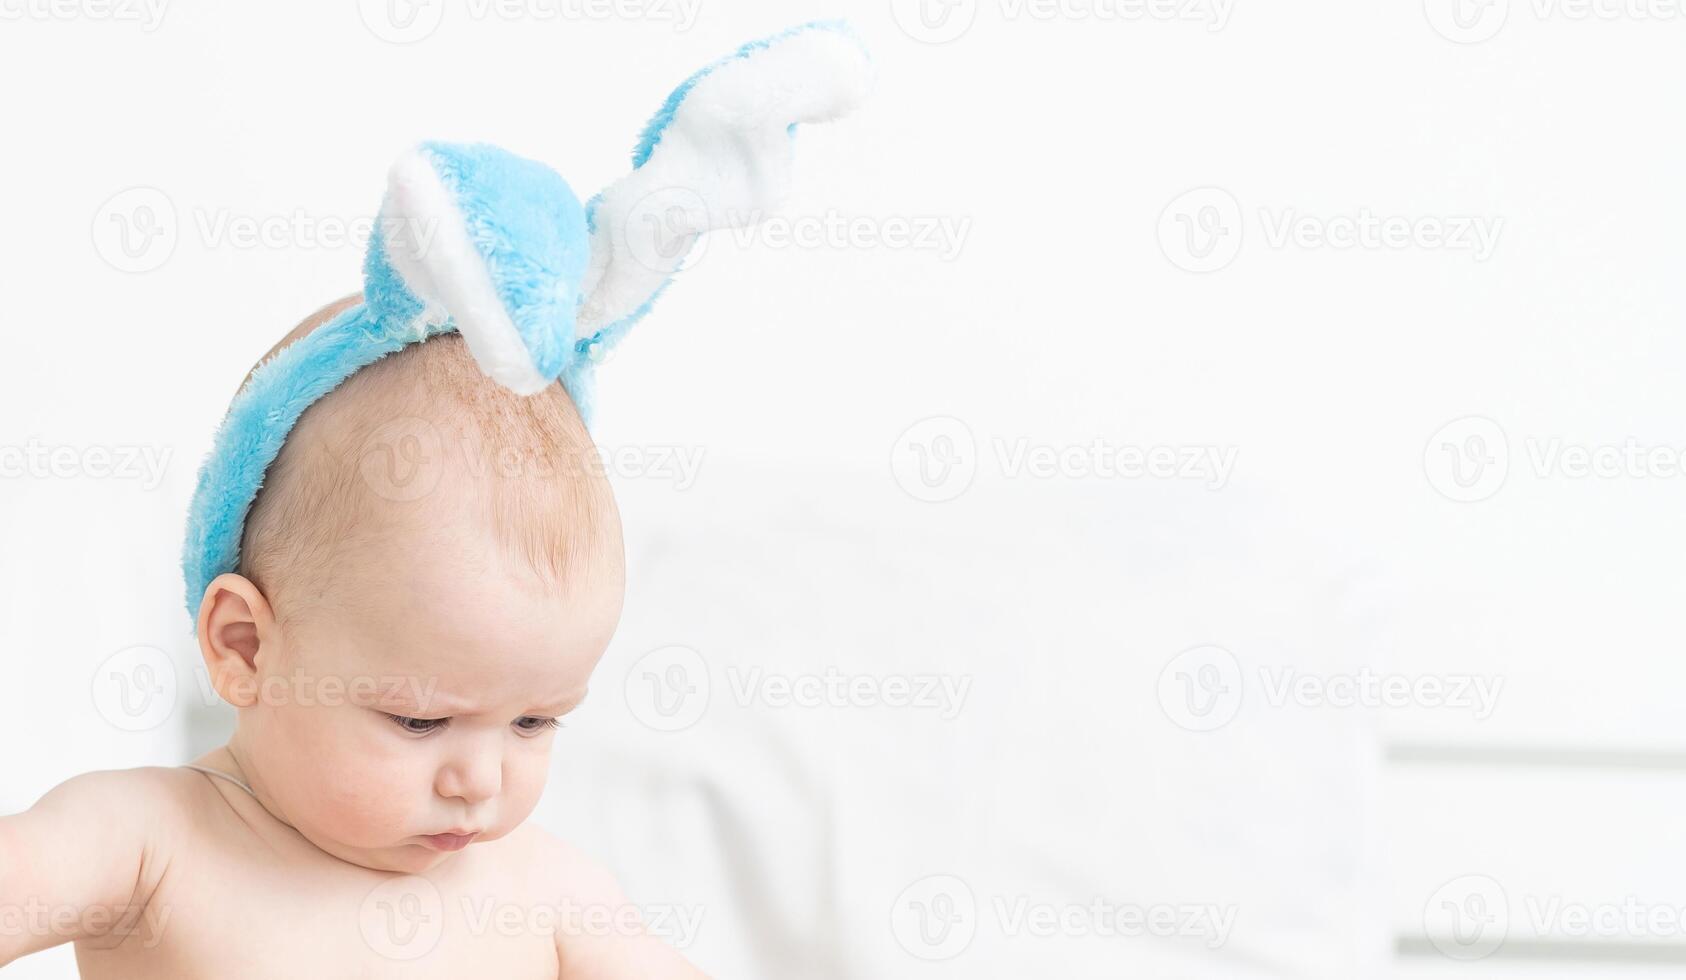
column 1058, row 145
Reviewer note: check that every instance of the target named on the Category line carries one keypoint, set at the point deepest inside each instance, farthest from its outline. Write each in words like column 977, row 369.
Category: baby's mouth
column 449, row 842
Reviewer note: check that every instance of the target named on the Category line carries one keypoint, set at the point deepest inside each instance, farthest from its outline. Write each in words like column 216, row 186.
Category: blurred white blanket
column 846, row 734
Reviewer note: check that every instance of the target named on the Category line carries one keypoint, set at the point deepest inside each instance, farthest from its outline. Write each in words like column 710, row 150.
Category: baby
column 428, row 577
column 405, row 562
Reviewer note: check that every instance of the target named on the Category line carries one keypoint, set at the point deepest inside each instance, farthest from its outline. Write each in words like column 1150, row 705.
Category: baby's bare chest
column 241, row 911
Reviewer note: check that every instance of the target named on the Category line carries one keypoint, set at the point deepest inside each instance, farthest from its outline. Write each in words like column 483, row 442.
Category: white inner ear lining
column 450, row 272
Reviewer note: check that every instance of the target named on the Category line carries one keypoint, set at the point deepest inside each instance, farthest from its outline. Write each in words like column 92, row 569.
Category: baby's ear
column 717, row 155
column 490, row 242
column 234, row 617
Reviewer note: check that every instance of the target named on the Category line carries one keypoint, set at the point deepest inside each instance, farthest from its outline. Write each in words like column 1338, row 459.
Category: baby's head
column 427, row 579
column 433, row 565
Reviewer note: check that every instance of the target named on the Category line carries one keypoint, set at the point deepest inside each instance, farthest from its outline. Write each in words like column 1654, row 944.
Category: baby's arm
column 78, row 864
column 619, row 953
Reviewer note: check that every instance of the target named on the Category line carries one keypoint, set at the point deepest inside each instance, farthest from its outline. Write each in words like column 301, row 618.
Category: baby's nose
column 474, row 776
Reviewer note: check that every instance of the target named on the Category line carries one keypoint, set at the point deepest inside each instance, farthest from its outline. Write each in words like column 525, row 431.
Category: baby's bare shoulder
column 553, row 866
column 151, row 812
column 99, row 843
column 152, row 801
column 600, row 932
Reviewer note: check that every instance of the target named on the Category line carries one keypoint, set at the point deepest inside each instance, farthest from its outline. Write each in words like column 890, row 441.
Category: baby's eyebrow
column 402, row 700
column 569, row 704
column 413, row 698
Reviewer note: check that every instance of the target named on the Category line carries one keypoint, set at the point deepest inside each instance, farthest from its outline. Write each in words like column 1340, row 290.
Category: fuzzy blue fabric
column 384, row 291
column 258, row 422
column 607, row 337
column 531, row 233
column 663, row 118
column 532, row 239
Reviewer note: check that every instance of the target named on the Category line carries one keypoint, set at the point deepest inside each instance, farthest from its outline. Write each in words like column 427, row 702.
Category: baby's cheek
column 527, row 773
column 365, row 785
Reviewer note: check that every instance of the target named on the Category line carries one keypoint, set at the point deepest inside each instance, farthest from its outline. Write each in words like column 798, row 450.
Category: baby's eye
column 418, row 726
column 532, row 724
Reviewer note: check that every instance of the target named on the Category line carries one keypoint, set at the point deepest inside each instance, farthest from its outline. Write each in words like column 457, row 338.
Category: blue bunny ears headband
column 474, row 239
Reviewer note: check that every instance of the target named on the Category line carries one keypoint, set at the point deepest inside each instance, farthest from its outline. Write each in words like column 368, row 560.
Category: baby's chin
column 416, row 859
column 404, row 857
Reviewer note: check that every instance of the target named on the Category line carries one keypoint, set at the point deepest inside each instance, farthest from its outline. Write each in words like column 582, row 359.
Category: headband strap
column 474, row 239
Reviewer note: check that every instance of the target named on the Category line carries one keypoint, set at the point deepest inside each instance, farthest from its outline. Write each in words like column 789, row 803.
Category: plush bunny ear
column 717, row 155
column 490, row 242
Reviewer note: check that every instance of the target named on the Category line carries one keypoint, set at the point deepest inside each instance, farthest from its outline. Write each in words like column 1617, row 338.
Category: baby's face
column 452, row 664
